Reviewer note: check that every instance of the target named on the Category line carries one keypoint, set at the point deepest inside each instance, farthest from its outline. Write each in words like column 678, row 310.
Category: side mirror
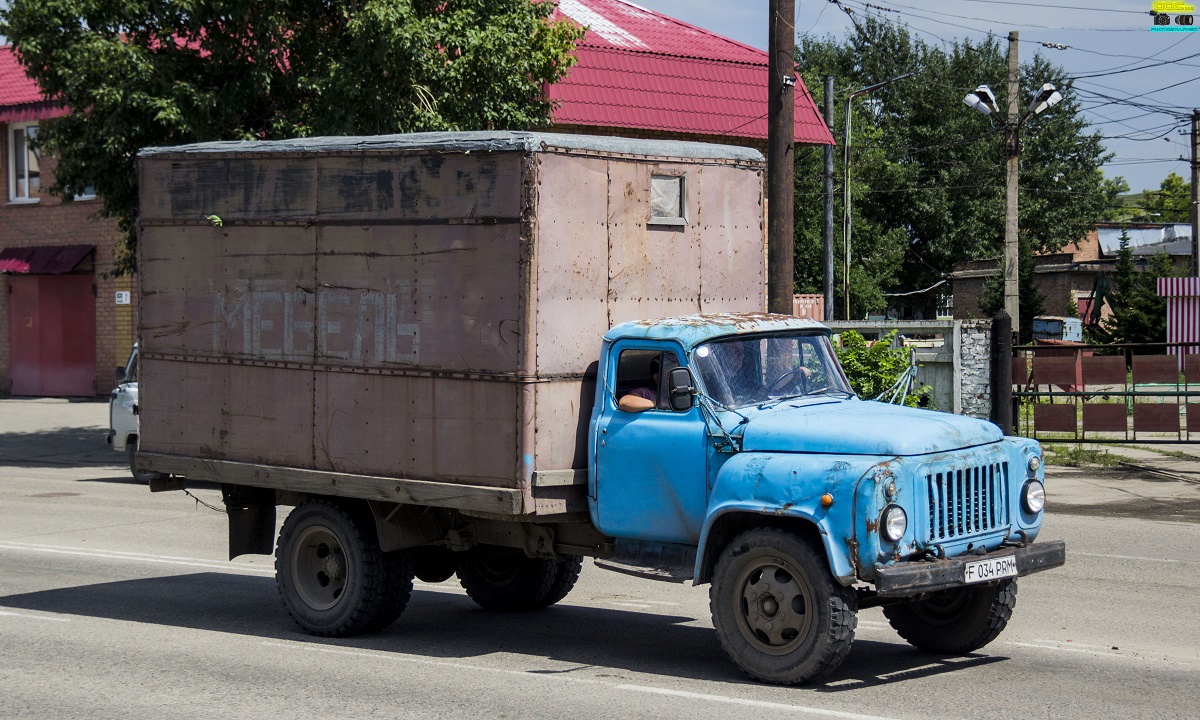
column 120, row 374
column 680, row 389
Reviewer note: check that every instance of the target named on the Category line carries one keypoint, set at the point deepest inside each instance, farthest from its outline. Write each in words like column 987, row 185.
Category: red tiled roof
column 21, row 100
column 639, row 69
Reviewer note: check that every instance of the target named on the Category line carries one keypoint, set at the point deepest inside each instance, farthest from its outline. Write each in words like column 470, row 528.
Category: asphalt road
column 115, row 602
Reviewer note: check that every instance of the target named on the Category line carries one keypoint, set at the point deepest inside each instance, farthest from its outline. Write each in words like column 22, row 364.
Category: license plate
column 990, row 569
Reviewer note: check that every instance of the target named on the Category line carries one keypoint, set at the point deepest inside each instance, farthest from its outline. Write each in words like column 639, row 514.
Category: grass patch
column 1160, row 451
column 1078, row 456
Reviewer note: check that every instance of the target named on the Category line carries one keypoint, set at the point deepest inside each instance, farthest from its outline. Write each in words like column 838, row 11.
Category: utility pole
column 1196, row 192
column 827, row 230
column 1012, row 152
column 781, row 162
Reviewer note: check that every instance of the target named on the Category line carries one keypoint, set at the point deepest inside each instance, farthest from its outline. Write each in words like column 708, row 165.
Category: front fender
column 835, row 551
column 788, row 487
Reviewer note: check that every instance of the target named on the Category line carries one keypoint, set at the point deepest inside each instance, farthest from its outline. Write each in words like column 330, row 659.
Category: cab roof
column 693, row 330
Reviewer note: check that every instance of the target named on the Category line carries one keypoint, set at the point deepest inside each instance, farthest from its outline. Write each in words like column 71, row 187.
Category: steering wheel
column 795, row 377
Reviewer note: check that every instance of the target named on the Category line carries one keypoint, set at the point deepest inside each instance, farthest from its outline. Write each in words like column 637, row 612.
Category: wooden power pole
column 781, row 144
column 1012, row 152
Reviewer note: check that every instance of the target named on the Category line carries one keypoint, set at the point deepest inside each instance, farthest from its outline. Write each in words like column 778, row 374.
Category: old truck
column 420, row 344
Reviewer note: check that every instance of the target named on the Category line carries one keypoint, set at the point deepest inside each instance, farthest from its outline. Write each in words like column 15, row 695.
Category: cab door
column 651, row 474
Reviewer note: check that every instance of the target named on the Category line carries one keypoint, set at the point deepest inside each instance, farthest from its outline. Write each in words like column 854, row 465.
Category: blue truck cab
column 751, row 464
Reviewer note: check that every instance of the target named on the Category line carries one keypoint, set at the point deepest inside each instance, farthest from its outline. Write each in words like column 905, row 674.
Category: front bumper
column 919, row 576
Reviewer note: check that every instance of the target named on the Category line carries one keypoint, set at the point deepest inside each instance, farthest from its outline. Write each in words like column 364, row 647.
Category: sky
column 1100, row 36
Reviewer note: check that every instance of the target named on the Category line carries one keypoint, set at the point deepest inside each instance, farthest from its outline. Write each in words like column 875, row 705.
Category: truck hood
column 855, row 427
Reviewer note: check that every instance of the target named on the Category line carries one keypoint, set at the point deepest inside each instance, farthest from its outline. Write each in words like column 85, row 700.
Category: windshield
column 760, row 369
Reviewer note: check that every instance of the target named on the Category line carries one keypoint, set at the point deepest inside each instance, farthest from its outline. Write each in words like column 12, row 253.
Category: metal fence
column 1107, row 393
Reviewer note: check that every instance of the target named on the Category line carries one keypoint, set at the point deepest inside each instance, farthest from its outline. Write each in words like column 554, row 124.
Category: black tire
column 778, row 612
column 332, row 576
column 505, row 579
column 398, row 585
column 144, row 478
column 435, row 564
column 565, row 576
column 958, row 621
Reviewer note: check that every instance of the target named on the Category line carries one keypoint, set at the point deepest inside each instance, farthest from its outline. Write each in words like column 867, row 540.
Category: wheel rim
column 320, row 568
column 773, row 605
column 945, row 607
column 499, row 569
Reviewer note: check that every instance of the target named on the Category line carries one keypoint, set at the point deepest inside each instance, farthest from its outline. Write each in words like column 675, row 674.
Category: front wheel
column 332, row 575
column 778, row 612
column 957, row 621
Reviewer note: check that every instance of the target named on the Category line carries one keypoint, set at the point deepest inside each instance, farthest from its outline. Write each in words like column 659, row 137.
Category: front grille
column 967, row 501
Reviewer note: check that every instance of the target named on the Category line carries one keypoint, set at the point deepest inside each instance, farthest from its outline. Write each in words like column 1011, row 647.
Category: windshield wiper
column 818, row 393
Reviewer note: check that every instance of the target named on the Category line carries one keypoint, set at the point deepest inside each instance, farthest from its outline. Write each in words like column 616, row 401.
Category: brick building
column 639, row 74
column 62, row 330
column 1068, row 278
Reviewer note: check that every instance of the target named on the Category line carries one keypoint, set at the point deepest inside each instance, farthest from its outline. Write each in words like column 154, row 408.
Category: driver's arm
column 635, row 403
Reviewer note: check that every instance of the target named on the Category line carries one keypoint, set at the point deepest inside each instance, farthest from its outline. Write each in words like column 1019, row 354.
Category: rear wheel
column 435, row 564
column 333, row 577
column 953, row 622
column 505, row 579
column 778, row 612
column 565, row 576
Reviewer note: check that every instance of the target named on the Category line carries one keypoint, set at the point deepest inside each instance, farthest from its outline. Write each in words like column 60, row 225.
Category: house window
column 89, row 193
column 24, row 164
column 668, row 200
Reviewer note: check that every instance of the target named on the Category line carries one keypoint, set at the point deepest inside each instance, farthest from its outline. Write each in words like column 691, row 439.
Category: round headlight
column 1035, row 462
column 1033, row 497
column 893, row 523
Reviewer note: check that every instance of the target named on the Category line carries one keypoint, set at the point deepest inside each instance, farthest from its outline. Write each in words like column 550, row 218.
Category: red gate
column 52, row 336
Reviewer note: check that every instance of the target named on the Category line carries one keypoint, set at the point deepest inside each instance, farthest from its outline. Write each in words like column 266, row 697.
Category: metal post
column 827, row 227
column 1002, row 359
column 1012, row 151
column 781, row 168
column 846, row 211
column 1196, row 192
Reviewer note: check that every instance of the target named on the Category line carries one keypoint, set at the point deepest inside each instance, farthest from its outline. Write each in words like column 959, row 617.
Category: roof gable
column 639, row 69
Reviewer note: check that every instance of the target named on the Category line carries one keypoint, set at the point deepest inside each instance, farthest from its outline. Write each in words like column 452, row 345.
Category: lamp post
column 984, row 100
column 846, row 216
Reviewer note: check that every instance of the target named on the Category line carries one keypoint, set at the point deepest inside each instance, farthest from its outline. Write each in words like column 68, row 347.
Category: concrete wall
column 953, row 358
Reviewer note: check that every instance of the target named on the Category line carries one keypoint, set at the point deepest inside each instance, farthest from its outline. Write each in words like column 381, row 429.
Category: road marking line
column 137, row 557
column 1135, row 557
column 6, row 613
column 648, row 689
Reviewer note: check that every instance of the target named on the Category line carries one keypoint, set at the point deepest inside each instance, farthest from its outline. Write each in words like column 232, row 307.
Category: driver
column 743, row 380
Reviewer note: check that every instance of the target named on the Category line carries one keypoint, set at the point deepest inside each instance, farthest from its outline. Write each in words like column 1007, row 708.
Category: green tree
column 929, row 172
column 135, row 73
column 1172, row 202
column 1030, row 300
column 1139, row 315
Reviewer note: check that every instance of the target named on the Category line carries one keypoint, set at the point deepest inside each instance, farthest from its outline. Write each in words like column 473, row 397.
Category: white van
column 123, row 415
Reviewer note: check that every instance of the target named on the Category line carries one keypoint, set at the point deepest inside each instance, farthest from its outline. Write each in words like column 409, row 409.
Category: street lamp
column 984, row 100
column 846, row 225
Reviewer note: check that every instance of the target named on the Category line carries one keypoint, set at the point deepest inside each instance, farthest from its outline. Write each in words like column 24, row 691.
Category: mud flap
column 251, row 514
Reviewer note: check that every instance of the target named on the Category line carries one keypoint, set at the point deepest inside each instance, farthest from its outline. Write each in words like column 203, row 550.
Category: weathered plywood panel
column 564, row 410
column 417, row 427
column 245, row 188
column 572, row 261
column 426, row 187
column 442, row 297
column 230, row 412
column 653, row 270
column 335, row 188
column 729, row 220
column 232, row 292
